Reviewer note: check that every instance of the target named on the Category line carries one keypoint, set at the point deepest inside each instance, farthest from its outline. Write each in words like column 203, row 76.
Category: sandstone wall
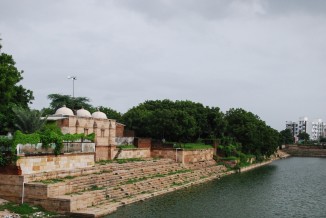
column 102, row 153
column 194, row 156
column 183, row 155
column 143, row 142
column 48, row 163
column 134, row 153
column 164, row 153
column 11, row 187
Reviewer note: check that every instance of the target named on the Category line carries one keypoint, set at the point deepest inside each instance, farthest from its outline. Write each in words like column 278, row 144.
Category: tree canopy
column 286, row 137
column 254, row 135
column 304, row 136
column 175, row 121
column 58, row 100
column 11, row 92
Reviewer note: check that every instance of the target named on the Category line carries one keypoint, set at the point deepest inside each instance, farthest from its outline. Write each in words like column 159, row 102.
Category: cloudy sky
column 266, row 56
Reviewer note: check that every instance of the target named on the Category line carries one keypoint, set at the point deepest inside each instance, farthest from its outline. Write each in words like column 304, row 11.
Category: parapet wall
column 134, row 153
column 194, row 156
column 49, row 163
column 183, row 155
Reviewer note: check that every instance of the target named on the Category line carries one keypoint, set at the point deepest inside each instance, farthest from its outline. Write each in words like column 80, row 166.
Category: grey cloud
column 265, row 56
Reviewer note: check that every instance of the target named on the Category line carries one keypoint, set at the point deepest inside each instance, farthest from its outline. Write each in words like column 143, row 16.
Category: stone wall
column 11, row 187
column 143, row 142
column 194, row 156
column 183, row 155
column 48, row 163
column 305, row 151
column 134, row 153
column 119, row 130
column 164, row 153
column 102, row 153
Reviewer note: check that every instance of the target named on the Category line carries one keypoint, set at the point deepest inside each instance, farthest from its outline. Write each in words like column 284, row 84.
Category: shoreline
column 144, row 197
column 109, row 209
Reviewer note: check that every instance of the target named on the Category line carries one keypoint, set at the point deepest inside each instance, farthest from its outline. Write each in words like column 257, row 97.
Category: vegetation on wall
column 7, row 151
column 49, row 135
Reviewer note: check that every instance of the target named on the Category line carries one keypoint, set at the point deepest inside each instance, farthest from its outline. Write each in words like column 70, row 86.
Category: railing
column 69, row 147
column 124, row 140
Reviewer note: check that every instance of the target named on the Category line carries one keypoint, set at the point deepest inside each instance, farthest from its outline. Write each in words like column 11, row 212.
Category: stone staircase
column 100, row 191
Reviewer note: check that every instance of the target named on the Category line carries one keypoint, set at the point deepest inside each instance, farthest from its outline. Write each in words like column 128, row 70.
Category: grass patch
column 53, row 181
column 158, row 175
column 131, row 181
column 119, row 161
column 229, row 158
column 178, row 172
column 193, row 146
column 178, row 183
column 25, row 210
column 95, row 187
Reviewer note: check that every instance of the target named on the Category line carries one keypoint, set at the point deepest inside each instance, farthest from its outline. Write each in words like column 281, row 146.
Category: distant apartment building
column 315, row 128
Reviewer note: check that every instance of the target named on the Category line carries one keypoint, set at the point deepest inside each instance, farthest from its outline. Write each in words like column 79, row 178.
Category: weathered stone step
column 111, row 205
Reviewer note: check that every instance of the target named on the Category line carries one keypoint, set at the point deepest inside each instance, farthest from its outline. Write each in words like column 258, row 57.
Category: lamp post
column 73, row 84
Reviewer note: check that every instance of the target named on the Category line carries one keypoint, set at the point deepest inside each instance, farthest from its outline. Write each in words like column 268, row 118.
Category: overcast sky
column 265, row 56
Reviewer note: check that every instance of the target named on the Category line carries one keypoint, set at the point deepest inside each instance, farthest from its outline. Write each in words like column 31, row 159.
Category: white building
column 315, row 128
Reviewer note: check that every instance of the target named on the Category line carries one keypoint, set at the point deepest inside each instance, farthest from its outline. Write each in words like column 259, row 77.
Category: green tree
column 28, row 121
column 304, row 136
column 11, row 93
column 254, row 135
column 58, row 100
column 286, row 137
column 175, row 121
column 322, row 139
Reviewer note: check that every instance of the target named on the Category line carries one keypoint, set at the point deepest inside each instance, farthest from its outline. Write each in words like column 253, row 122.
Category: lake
column 292, row 187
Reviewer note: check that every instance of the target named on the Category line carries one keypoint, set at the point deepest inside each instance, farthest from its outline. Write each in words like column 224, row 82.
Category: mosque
column 106, row 130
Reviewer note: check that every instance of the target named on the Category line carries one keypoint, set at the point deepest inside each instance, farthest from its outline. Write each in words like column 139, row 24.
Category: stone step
column 111, row 205
column 114, row 187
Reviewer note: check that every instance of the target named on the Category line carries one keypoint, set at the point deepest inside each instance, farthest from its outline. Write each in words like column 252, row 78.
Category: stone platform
column 100, row 190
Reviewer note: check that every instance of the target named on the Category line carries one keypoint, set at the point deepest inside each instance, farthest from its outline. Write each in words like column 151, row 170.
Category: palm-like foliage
column 58, row 100
column 28, row 121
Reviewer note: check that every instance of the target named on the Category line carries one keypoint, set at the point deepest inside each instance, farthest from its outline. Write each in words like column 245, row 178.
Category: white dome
column 99, row 115
column 83, row 113
column 64, row 111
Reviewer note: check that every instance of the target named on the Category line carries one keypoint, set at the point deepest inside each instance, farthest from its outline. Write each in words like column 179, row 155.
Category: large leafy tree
column 11, row 92
column 304, row 136
column 248, row 129
column 286, row 137
column 175, row 121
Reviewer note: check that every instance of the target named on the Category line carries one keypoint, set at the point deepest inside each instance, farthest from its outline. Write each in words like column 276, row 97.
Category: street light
column 73, row 84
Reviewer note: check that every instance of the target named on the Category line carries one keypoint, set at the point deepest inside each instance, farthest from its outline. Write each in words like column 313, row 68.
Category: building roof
column 99, row 115
column 83, row 113
column 64, row 111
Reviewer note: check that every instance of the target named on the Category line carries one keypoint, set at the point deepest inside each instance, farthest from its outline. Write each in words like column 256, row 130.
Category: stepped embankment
column 100, row 190
column 97, row 191
column 305, row 151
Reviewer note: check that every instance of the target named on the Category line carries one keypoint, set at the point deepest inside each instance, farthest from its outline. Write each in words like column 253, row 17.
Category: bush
column 7, row 151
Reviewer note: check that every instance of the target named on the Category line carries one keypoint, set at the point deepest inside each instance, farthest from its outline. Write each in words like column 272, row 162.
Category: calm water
column 293, row 187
